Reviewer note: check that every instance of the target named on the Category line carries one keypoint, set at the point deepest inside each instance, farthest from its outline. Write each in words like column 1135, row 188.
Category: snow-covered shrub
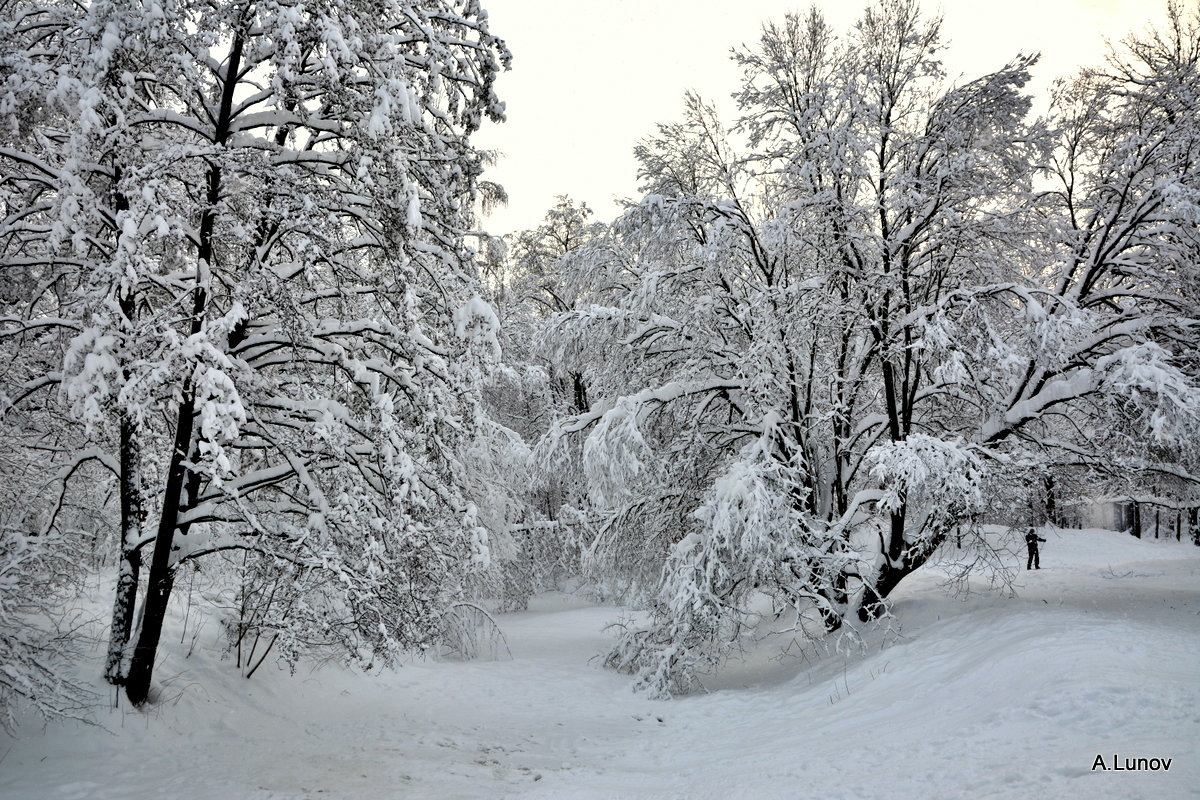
column 749, row 536
column 38, row 578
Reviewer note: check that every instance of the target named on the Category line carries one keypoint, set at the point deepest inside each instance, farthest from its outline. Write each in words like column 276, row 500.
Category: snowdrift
column 983, row 695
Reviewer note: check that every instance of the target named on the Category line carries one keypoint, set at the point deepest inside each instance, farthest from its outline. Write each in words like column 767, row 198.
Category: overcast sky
column 592, row 77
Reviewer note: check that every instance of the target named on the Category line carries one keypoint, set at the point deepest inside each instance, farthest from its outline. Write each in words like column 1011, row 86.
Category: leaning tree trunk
column 179, row 475
column 162, row 571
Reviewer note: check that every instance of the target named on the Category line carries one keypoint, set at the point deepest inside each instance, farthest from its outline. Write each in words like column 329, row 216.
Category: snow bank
column 976, row 696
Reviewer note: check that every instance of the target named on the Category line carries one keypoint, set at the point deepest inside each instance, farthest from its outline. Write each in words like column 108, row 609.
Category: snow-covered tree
column 909, row 192
column 535, row 275
column 249, row 218
column 847, row 324
column 1090, row 362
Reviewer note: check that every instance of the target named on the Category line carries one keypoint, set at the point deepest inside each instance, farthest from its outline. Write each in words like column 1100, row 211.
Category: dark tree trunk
column 162, row 572
column 899, row 562
column 875, row 595
column 1051, row 501
column 132, row 515
column 582, row 406
column 131, row 554
column 1135, row 525
column 838, row 599
column 180, row 478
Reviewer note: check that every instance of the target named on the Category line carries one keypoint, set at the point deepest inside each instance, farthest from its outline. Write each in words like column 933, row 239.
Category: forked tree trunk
column 899, row 562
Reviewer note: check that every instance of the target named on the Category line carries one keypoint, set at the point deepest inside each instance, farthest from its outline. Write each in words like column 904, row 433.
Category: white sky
column 592, row 77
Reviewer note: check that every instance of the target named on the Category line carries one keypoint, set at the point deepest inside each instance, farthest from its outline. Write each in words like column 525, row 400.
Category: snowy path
column 985, row 697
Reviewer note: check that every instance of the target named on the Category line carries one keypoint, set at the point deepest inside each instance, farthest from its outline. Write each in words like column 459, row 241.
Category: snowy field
column 982, row 696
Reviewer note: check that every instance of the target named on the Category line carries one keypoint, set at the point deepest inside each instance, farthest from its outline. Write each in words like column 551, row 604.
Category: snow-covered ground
column 982, row 696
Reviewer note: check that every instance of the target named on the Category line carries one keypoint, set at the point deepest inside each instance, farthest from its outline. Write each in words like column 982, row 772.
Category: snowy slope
column 983, row 696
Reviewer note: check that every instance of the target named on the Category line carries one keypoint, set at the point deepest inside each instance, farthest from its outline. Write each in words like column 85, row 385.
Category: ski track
column 985, row 696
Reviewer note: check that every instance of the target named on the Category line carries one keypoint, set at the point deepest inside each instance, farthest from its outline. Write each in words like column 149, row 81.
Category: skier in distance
column 1031, row 541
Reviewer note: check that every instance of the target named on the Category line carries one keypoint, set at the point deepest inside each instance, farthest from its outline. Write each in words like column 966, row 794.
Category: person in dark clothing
column 1031, row 541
